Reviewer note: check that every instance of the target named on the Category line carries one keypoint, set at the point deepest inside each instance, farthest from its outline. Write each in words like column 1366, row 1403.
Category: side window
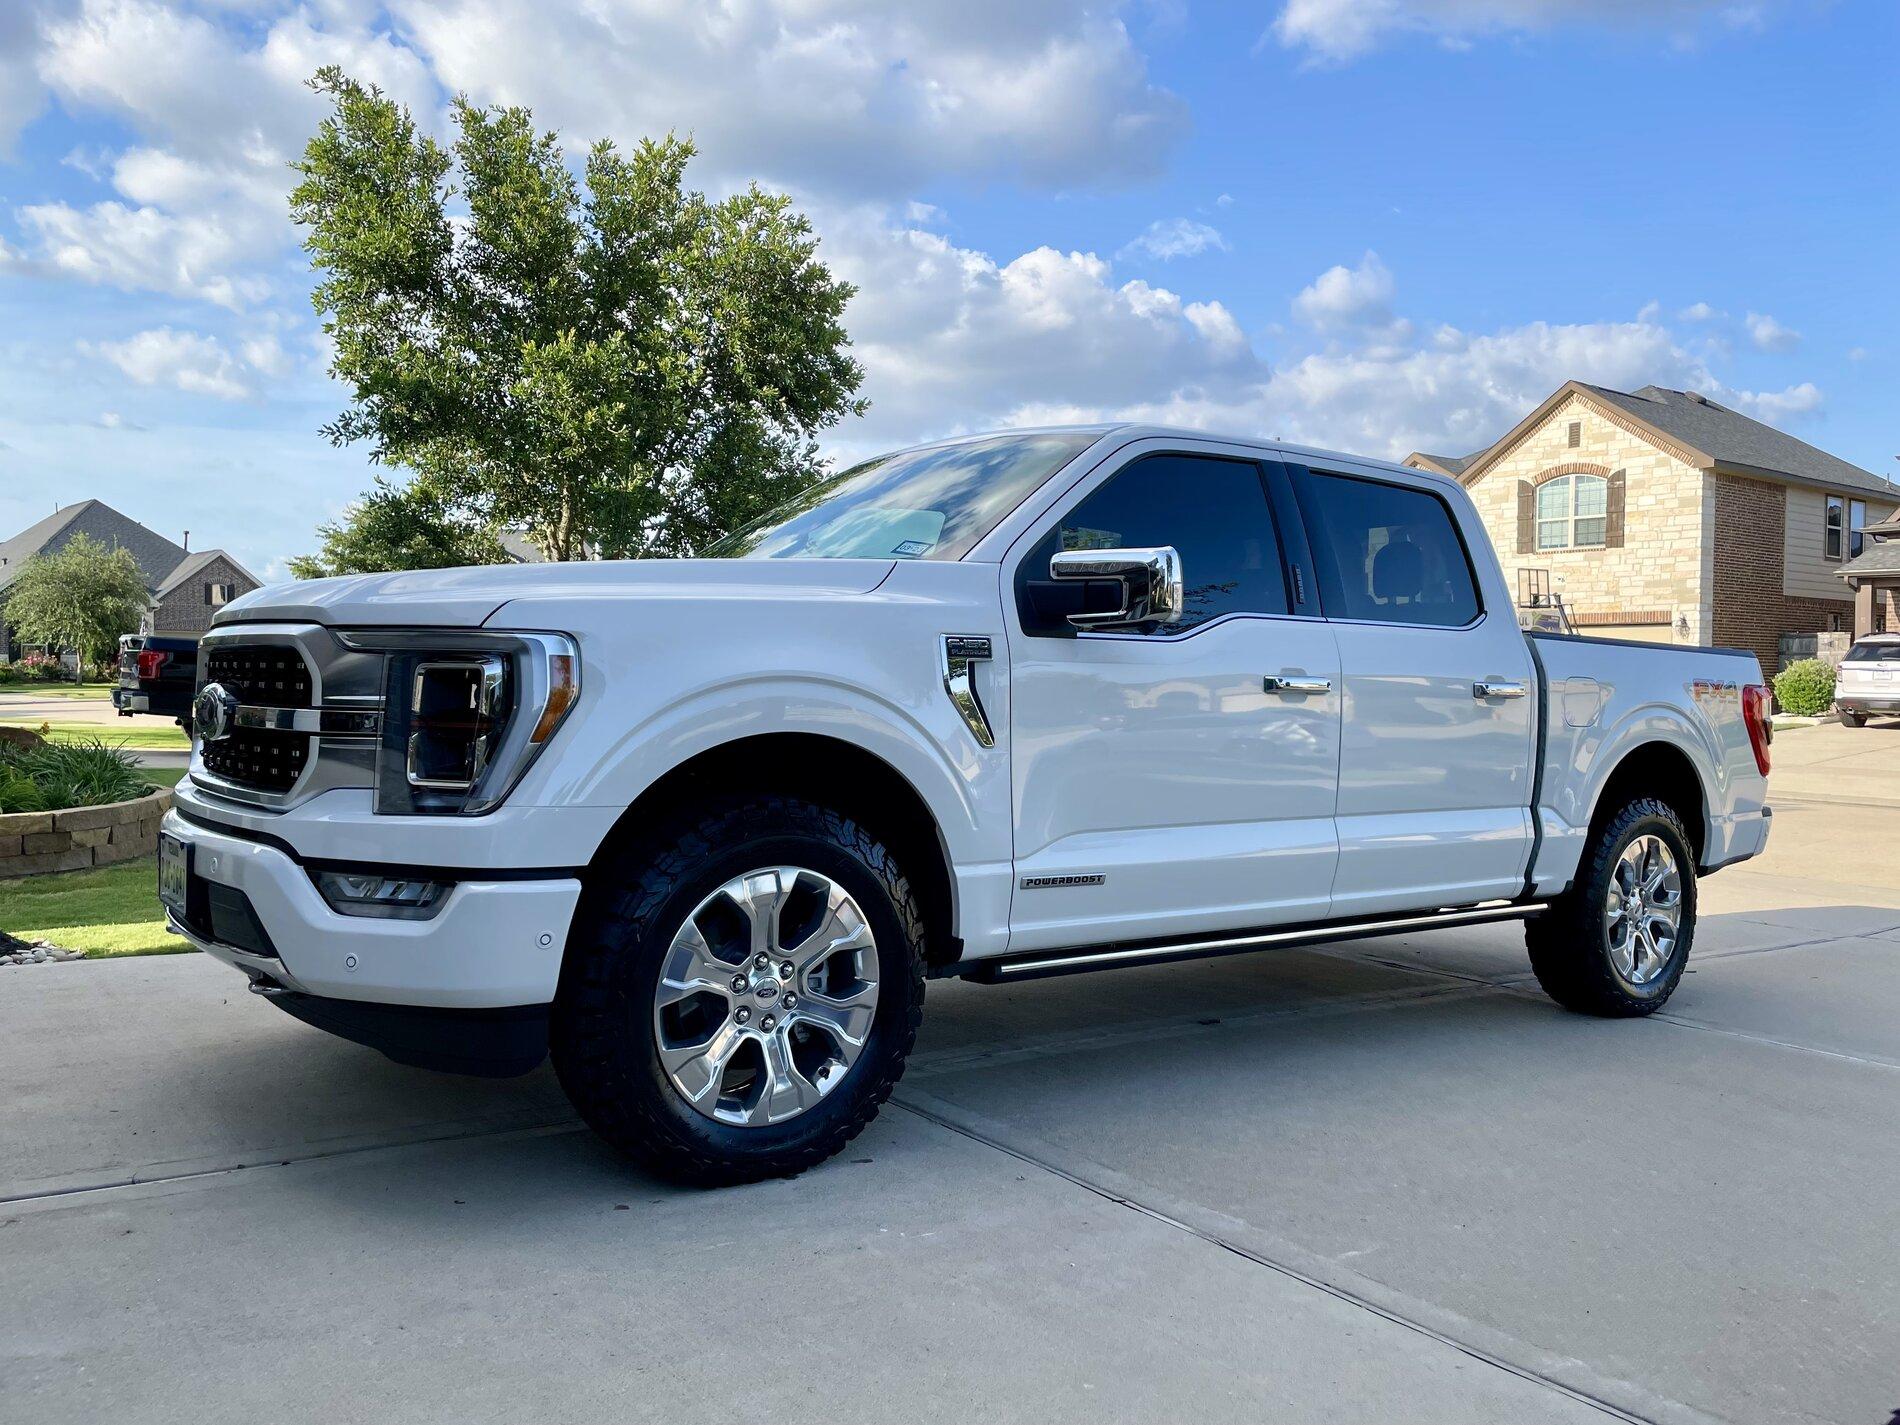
column 1214, row 513
column 1387, row 552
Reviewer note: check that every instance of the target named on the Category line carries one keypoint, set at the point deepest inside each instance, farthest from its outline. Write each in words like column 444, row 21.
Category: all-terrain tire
column 638, row 896
column 1853, row 719
column 1569, row 944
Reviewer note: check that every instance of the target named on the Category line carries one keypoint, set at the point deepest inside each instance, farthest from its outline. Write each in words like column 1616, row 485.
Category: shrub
column 61, row 775
column 1805, row 689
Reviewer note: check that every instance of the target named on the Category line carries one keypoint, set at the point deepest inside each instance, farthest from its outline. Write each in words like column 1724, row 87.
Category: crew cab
column 1002, row 707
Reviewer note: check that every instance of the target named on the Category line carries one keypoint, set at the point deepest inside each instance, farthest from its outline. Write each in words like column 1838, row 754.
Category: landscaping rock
column 36, row 952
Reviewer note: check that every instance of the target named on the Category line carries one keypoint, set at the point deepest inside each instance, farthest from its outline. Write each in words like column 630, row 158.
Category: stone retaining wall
column 35, row 842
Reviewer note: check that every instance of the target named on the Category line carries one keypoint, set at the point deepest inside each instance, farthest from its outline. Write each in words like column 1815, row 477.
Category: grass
column 106, row 912
column 162, row 776
column 158, row 738
column 99, row 692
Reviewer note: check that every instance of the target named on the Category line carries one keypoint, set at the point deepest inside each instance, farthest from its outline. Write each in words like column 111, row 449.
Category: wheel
column 1615, row 944
column 1849, row 719
column 740, row 993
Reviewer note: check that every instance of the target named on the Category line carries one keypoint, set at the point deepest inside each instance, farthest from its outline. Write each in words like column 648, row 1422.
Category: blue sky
column 1373, row 224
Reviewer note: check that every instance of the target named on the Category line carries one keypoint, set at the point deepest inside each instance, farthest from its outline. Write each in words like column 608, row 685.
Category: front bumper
column 495, row 943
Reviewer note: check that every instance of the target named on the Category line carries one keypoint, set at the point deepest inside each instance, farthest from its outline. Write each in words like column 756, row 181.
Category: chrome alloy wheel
column 766, row 996
column 1643, row 910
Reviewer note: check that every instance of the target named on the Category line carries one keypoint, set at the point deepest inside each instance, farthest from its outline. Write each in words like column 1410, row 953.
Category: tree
column 412, row 527
column 628, row 370
column 82, row 596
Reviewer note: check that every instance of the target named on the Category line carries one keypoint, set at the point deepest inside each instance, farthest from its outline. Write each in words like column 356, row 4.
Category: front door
column 1440, row 702
column 1162, row 786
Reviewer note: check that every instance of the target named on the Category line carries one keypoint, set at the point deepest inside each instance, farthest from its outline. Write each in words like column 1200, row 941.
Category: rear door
column 1172, row 778
column 1440, row 707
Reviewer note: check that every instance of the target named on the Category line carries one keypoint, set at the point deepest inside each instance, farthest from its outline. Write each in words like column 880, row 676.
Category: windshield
column 934, row 503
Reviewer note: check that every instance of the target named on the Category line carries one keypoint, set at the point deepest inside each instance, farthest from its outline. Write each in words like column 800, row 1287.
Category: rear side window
column 1214, row 513
column 1387, row 553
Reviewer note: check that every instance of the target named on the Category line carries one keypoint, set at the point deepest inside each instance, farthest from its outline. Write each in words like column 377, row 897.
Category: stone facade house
column 1662, row 516
column 186, row 589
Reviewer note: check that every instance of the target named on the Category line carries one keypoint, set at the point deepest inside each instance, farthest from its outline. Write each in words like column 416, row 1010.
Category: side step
column 1041, row 964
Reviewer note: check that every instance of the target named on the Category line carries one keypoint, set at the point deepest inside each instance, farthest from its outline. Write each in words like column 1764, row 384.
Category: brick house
column 186, row 588
column 1662, row 516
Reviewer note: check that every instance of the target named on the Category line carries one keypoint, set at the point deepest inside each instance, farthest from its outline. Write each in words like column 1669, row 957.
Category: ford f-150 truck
column 1001, row 707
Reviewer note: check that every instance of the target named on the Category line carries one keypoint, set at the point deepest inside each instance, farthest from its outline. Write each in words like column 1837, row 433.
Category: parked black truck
column 158, row 674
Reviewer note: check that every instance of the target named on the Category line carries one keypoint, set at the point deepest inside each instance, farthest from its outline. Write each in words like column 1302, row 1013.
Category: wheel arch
column 1663, row 770
column 833, row 772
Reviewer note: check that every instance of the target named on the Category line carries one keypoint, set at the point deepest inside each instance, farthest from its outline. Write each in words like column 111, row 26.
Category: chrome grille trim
column 336, row 723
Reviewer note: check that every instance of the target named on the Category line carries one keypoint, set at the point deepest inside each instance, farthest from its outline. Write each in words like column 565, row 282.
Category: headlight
column 465, row 714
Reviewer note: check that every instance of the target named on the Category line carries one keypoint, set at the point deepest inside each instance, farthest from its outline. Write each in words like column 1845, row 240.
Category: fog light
column 387, row 897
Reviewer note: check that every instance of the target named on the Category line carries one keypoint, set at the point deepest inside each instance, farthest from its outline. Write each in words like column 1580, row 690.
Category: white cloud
column 1343, row 297
column 1168, row 238
column 1769, row 334
column 1779, row 407
column 21, row 94
column 1336, row 31
column 188, row 360
column 1700, row 312
column 829, row 96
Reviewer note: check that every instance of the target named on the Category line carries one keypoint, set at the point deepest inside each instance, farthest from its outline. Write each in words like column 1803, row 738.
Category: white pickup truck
column 1002, row 707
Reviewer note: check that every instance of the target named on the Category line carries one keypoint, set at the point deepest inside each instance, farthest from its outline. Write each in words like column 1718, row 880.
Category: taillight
column 151, row 660
column 1759, row 716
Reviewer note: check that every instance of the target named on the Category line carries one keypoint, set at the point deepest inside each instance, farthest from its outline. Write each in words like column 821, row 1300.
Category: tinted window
column 1387, row 552
column 934, row 503
column 1872, row 652
column 1214, row 513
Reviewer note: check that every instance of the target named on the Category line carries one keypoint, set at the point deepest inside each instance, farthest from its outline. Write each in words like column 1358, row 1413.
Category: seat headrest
column 1398, row 571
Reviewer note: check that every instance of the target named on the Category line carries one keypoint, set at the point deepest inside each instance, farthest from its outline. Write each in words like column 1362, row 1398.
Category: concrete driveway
column 1388, row 1181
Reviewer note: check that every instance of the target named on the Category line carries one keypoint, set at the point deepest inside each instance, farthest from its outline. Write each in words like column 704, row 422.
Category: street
column 1387, row 1180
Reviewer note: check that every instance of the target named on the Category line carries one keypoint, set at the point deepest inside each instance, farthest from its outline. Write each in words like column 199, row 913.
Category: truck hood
column 468, row 598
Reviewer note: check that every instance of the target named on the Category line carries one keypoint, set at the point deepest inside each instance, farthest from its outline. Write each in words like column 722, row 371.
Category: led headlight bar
column 465, row 713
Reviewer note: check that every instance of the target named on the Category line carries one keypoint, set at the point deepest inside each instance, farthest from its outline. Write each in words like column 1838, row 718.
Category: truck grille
column 260, row 675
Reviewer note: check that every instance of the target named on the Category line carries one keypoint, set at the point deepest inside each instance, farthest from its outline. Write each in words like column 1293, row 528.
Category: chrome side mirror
column 1150, row 582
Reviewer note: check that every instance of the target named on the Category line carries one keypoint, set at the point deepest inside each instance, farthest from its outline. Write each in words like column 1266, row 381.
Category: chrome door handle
column 1497, row 688
column 1295, row 683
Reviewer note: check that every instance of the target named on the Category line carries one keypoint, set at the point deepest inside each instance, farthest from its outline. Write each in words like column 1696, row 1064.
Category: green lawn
column 100, row 692
column 151, row 737
column 111, row 911
column 163, row 776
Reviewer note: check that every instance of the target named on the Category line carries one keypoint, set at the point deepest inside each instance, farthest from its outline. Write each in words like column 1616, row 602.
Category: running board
column 1040, row 964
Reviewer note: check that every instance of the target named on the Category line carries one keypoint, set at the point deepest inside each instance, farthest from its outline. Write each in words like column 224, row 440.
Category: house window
column 1832, row 527
column 1856, row 522
column 1572, row 512
column 217, row 594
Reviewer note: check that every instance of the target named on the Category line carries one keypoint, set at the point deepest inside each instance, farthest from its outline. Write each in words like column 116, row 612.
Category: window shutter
column 1526, row 518
column 1613, row 513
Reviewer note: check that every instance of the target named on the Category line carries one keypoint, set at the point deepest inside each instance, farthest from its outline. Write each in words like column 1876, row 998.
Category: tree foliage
column 81, row 596
column 393, row 527
column 611, row 363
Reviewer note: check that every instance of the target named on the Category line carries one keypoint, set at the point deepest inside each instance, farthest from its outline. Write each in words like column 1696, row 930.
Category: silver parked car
column 1869, row 680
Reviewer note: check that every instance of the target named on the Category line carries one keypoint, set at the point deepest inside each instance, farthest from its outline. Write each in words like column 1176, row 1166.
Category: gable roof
column 1704, row 434
column 1452, row 465
column 192, row 563
column 155, row 555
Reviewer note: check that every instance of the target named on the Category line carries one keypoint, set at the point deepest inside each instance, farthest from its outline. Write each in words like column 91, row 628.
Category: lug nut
column 763, row 961
column 768, row 1023
column 785, row 969
column 742, row 1014
column 790, row 1001
column 739, row 982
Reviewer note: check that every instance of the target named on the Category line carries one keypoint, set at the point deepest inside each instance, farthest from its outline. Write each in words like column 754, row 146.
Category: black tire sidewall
column 1618, row 836
column 792, row 839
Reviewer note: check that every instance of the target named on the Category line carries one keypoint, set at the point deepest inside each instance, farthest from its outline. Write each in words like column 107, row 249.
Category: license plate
column 174, row 873
column 1882, row 675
